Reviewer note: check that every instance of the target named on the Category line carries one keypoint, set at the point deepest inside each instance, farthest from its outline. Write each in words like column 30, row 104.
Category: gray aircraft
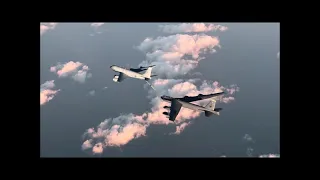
column 177, row 103
column 133, row 73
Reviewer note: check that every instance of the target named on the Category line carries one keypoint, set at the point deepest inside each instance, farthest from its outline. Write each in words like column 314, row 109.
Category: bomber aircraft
column 177, row 103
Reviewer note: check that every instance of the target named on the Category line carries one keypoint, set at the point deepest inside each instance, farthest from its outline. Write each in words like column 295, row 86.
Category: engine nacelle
column 208, row 114
column 166, row 107
column 115, row 78
column 217, row 109
column 165, row 113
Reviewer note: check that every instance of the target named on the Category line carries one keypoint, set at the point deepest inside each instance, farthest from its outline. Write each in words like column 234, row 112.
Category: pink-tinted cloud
column 46, row 92
column 191, row 27
column 87, row 144
column 168, row 53
column 44, row 27
column 121, row 130
column 115, row 132
column 181, row 127
column 72, row 69
column 97, row 148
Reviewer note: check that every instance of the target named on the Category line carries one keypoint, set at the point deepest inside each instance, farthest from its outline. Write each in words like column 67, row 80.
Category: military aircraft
column 177, row 103
column 133, row 73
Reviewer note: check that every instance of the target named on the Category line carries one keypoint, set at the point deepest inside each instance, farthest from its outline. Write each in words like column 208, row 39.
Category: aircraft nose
column 111, row 66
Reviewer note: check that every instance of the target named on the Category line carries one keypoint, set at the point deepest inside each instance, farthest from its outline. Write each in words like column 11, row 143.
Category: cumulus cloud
column 191, row 27
column 169, row 53
column 44, row 27
column 270, row 156
column 77, row 70
column 114, row 132
column 46, row 92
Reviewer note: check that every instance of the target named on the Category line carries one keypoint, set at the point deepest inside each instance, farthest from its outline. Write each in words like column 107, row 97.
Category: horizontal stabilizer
column 147, row 66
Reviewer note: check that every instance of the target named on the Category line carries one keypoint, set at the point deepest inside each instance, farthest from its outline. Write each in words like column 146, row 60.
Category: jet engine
column 115, row 78
column 166, row 107
column 165, row 113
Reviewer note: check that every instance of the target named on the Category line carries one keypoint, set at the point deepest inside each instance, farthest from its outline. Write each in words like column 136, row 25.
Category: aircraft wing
column 174, row 109
column 121, row 77
column 137, row 70
column 199, row 97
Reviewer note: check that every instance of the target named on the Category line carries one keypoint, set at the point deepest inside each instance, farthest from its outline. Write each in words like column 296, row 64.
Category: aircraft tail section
column 211, row 105
column 211, row 109
column 147, row 74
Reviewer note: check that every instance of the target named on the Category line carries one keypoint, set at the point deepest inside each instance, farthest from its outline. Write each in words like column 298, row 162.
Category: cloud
column 248, row 138
column 191, row 27
column 249, row 151
column 87, row 144
column 97, row 29
column 72, row 69
column 46, row 92
column 115, row 132
column 278, row 55
column 44, row 27
column 96, row 25
column 181, row 127
column 98, row 148
column 92, row 93
column 169, row 53
column 270, row 156
column 121, row 130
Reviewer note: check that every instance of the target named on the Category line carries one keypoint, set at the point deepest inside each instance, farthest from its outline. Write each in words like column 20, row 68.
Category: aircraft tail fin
column 211, row 105
column 147, row 74
column 211, row 109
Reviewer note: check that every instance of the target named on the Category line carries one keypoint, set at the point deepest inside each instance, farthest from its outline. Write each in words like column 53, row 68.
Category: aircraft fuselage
column 127, row 72
column 187, row 104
